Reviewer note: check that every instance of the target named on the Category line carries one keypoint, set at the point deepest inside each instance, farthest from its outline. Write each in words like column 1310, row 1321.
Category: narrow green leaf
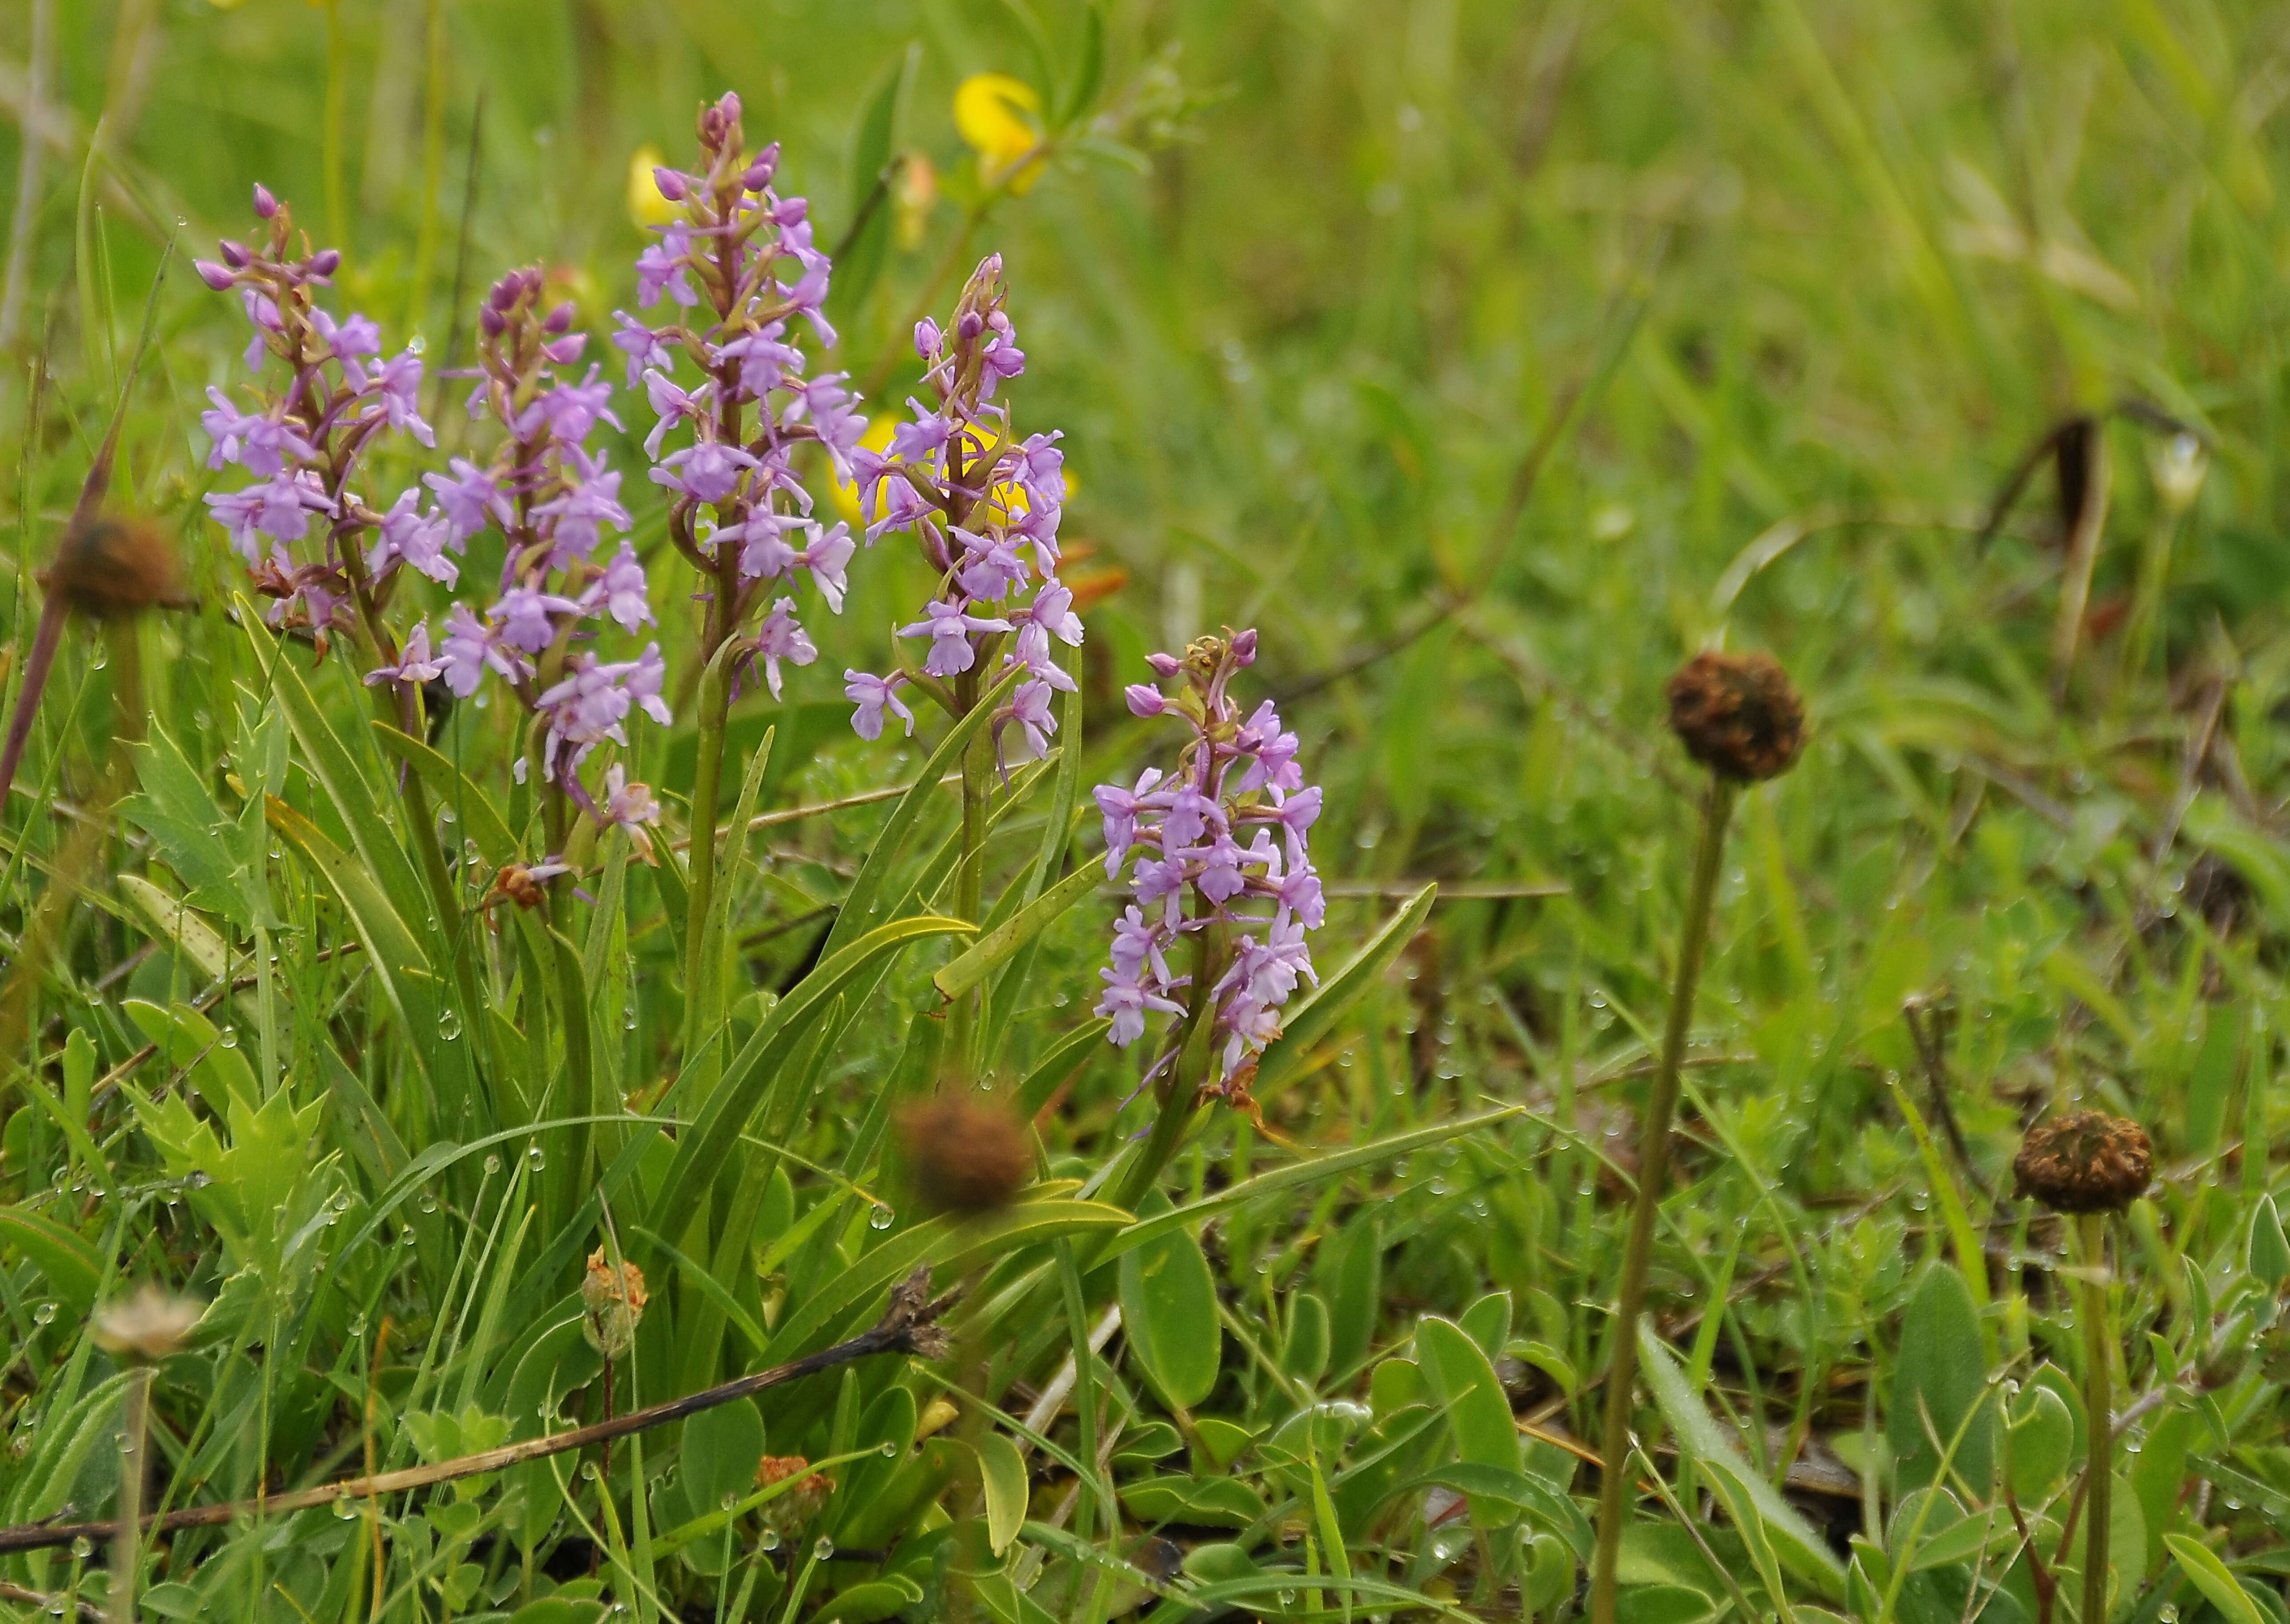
column 481, row 821
column 71, row 1265
column 865, row 898
column 2212, row 1577
column 1795, row 1541
column 1317, row 1014
column 1296, row 1174
column 999, row 943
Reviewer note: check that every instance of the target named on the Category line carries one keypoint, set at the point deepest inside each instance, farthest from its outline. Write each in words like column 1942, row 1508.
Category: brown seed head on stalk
column 967, row 1156
column 109, row 568
column 615, row 1299
column 2085, row 1161
column 1737, row 715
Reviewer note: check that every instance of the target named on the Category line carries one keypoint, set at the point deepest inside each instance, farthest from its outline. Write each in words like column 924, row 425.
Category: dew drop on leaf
column 228, row 1037
column 83, row 1548
column 536, row 1158
column 881, row 1218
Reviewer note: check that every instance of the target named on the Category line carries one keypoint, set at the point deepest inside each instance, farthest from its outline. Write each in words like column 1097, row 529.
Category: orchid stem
column 1652, row 1174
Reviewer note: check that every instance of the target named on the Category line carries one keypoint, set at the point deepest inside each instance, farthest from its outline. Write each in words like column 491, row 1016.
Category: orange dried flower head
column 967, row 1156
column 2085, row 1161
column 796, row 1507
column 615, row 1299
column 1737, row 715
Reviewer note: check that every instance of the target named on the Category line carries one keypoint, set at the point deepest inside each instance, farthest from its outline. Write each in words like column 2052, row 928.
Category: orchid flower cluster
column 984, row 506
column 551, row 500
column 741, row 265
column 1236, row 775
column 304, row 443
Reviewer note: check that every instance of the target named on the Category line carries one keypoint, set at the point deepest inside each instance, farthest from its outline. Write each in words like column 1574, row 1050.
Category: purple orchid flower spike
column 1237, row 781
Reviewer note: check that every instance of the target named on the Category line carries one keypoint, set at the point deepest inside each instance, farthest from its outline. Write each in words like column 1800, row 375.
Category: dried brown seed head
column 796, row 1506
column 615, row 1299
column 1737, row 715
column 110, row 568
column 147, row 1327
column 967, row 1156
column 2085, row 1161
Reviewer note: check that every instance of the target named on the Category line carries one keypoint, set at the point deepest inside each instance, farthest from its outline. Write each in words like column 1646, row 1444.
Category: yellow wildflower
column 647, row 204
column 1000, row 118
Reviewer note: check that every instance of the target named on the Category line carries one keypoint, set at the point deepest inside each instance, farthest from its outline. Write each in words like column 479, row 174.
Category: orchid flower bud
column 1243, row 648
column 235, row 254
column 560, row 319
column 492, row 321
column 928, row 338
column 265, row 204
column 672, row 185
column 216, row 277
column 758, row 174
column 1164, row 665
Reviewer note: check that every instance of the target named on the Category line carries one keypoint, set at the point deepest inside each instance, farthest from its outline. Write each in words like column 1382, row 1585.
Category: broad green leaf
column 1940, row 1378
column 1003, row 1471
column 1796, row 1543
column 1464, row 1385
column 1211, row 1502
column 73, row 1268
column 200, row 941
column 871, row 1600
column 2042, row 1438
column 1545, row 1508
column 865, row 900
column 188, row 1041
column 1351, row 1277
column 177, row 810
column 1169, row 1309
column 1297, row 1174
column 2209, row 1575
column 1304, row 1354
column 1316, row 1014
column 998, row 944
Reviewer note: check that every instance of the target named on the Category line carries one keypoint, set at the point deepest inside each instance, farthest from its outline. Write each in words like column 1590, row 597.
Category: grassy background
column 1466, row 349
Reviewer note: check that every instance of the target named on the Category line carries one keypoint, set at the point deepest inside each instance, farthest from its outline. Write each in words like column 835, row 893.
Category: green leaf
column 1076, row 94
column 1169, row 1308
column 199, row 941
column 1299, row 1173
column 1211, row 1502
column 74, row 1269
column 1311, row 1017
column 1942, row 1375
column 721, row 1453
column 1464, row 1385
column 1058, row 1065
column 1795, row 1541
column 1004, row 939
column 942, row 1242
column 2042, row 1438
column 1304, row 1354
column 1004, row 1472
column 352, row 795
column 175, row 809
column 188, row 1041
column 397, row 961
column 2270, row 1249
column 481, row 821
column 865, row 898
column 703, row 1148
column 2209, row 1575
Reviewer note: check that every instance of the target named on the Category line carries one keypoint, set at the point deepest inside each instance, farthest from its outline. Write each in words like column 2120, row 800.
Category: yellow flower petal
column 646, row 204
column 999, row 116
column 844, row 493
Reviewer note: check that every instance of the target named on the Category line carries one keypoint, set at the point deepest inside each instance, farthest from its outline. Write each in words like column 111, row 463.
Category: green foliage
column 1488, row 359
